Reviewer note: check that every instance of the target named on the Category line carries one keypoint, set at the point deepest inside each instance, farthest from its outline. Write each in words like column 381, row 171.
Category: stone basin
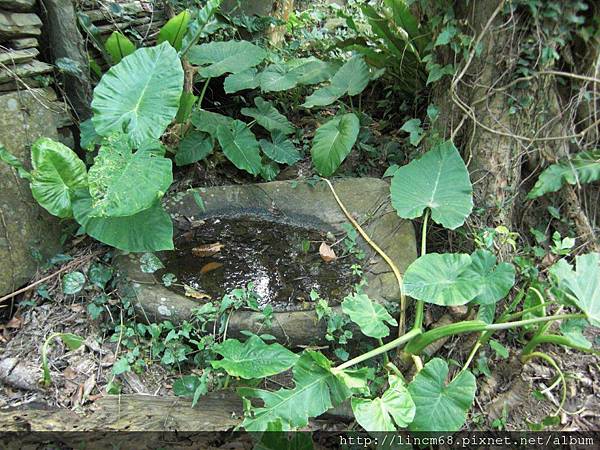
column 296, row 203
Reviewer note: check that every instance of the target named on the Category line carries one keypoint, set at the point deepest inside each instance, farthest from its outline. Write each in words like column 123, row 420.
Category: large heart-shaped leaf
column 368, row 315
column 248, row 79
column 148, row 231
column 253, row 358
column 174, row 30
column 333, row 141
column 280, row 149
column 240, row 146
column 351, row 79
column 123, row 182
column 583, row 283
column 495, row 281
column 118, row 47
column 57, row 173
column 219, row 58
column 573, row 329
column 441, row 406
column 208, row 122
column 194, row 147
column 439, row 180
column 277, row 78
column 311, row 70
column 267, row 116
column 380, row 414
column 441, row 279
column 140, row 95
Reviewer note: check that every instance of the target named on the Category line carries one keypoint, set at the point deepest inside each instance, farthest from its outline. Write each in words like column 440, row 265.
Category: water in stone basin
column 282, row 261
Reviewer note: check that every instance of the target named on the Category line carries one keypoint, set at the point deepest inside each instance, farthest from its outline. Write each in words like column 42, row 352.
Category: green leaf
column 486, row 313
column 380, row 414
column 199, row 25
column 582, row 168
column 194, row 147
column 140, row 95
column 191, row 386
column 174, row 30
column 357, row 380
column 573, row 329
column 441, row 279
column 277, row 78
column 208, row 122
column 500, row 349
column 269, row 171
column 413, row 127
column 13, row 161
column 439, row 180
column 57, row 173
column 73, row 282
column 436, row 72
column 369, row 316
column 583, row 283
column 219, row 58
column 281, row 149
column 333, row 141
column 240, row 146
column 72, row 341
column 88, row 138
column 124, row 183
column 494, row 280
column 99, row 274
column 248, row 79
column 267, row 116
column 118, row 47
column 253, row 358
column 148, row 231
column 149, row 263
column 121, row 366
column 446, row 35
column 390, row 171
column 307, row 71
column 441, row 406
column 186, row 103
column 273, row 439
column 350, row 79
column 316, row 390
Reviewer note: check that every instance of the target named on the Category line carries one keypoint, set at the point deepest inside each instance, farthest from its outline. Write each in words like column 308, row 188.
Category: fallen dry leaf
column 327, row 253
column 210, row 267
column 191, row 292
column 15, row 323
column 207, row 249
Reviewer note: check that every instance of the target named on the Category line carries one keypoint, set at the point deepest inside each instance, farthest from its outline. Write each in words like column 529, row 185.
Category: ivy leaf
column 99, row 274
column 253, row 358
column 219, row 58
column 333, row 141
column 140, row 95
column 248, row 79
column 277, row 78
column 240, row 146
column 441, row 406
column 149, row 263
column 413, row 127
column 208, row 122
column 316, row 390
column 73, row 282
column 446, row 36
column 442, row 279
column 494, row 280
column 194, row 147
column 439, row 180
column 583, row 283
column 118, row 47
column 573, row 330
column 368, row 315
column 584, row 167
column 174, row 30
column 379, row 414
column 57, row 174
column 121, row 366
column 281, row 149
column 267, row 116
column 436, row 72
column 124, row 183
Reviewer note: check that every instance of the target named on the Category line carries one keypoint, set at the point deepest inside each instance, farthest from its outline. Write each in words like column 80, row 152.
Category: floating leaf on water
column 210, row 267
column 327, row 253
column 193, row 293
column 207, row 249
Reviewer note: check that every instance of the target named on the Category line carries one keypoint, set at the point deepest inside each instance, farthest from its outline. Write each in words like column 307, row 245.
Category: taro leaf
column 208, row 122
column 439, row 180
column 316, row 390
column 253, row 358
column 240, row 146
column 584, row 167
column 312, row 70
column 149, row 263
column 267, row 116
column 118, row 47
column 276, row 78
column 124, row 183
column 200, row 24
column 357, row 380
column 186, row 103
column 333, row 141
column 281, row 149
column 88, row 137
column 191, row 386
column 194, row 147
column 583, row 283
column 390, row 171
column 368, row 315
column 13, row 161
column 269, row 171
column 442, row 279
column 248, row 79
column 573, row 330
column 379, row 414
column 494, row 280
column 57, row 173
column 441, row 406
column 148, row 231
column 486, row 313
column 99, row 274
column 140, row 95
column 224, row 57
column 283, row 441
column 73, row 282
column 350, row 79
column 174, row 30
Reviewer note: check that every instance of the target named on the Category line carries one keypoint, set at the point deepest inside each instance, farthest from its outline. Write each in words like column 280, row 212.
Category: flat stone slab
column 296, row 203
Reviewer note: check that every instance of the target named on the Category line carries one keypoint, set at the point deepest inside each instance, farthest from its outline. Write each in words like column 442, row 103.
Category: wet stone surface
column 281, row 261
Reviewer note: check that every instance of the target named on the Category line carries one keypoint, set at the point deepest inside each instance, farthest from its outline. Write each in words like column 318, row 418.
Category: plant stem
column 386, row 358
column 379, row 350
column 553, row 363
column 419, row 312
column 203, row 92
column 554, row 339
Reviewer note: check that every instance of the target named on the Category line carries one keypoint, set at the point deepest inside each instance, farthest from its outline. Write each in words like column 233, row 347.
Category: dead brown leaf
column 327, row 253
column 207, row 249
column 194, row 293
column 210, row 267
column 16, row 322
